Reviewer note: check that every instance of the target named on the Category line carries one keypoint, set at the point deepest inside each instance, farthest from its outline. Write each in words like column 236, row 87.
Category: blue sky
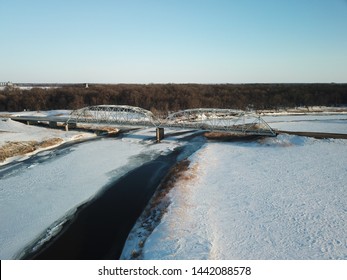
column 173, row 41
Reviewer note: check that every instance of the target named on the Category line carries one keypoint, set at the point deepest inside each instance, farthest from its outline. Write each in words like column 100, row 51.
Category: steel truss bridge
column 209, row 119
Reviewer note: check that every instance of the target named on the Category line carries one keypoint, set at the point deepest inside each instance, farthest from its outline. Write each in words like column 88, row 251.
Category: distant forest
column 163, row 98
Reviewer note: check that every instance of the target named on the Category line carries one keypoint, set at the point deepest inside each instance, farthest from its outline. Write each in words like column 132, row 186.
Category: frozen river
column 280, row 198
column 309, row 123
column 36, row 194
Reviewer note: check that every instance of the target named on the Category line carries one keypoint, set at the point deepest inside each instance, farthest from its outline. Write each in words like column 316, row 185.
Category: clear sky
column 173, row 41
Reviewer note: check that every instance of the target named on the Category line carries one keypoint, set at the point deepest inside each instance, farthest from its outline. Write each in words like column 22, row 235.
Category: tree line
column 163, row 98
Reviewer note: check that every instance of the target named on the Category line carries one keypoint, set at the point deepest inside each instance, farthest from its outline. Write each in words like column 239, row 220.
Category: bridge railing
column 114, row 114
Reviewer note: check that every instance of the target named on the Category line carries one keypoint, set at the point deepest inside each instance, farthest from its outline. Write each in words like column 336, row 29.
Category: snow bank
column 12, row 131
column 15, row 131
column 282, row 198
column 305, row 110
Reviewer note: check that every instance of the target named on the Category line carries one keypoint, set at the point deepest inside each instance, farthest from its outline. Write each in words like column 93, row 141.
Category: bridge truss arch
column 209, row 119
column 114, row 114
column 222, row 120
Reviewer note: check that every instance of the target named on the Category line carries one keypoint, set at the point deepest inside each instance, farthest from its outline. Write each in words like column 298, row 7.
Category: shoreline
column 153, row 212
column 25, row 156
column 99, row 228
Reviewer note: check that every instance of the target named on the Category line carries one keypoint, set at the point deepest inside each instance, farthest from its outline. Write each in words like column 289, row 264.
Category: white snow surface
column 33, row 198
column 283, row 198
column 15, row 131
column 333, row 123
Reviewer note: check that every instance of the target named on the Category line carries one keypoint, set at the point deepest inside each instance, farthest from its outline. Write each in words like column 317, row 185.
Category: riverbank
column 275, row 198
column 99, row 228
column 19, row 141
column 37, row 194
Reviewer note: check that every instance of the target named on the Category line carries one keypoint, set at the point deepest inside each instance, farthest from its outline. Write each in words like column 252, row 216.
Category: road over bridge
column 209, row 119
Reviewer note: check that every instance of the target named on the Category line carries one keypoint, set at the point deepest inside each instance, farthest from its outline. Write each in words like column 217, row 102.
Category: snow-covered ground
column 279, row 198
column 310, row 110
column 12, row 131
column 36, row 194
column 16, row 131
column 335, row 123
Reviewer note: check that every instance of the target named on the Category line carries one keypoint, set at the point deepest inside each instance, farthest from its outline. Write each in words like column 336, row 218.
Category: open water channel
column 80, row 201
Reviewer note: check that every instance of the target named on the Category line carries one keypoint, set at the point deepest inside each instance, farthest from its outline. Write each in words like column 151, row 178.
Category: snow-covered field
column 12, row 131
column 279, row 198
column 335, row 123
column 15, row 131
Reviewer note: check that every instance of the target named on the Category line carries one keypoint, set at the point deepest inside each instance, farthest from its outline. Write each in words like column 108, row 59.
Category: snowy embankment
column 278, row 198
column 37, row 194
column 284, row 198
column 18, row 141
column 309, row 123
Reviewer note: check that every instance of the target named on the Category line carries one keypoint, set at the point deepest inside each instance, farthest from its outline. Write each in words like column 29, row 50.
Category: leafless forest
column 163, row 98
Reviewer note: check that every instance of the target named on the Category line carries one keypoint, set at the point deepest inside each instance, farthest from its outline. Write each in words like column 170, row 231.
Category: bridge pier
column 70, row 125
column 53, row 124
column 159, row 133
column 32, row 122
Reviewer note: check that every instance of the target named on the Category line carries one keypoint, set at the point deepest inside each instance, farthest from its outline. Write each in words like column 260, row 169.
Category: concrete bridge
column 209, row 119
